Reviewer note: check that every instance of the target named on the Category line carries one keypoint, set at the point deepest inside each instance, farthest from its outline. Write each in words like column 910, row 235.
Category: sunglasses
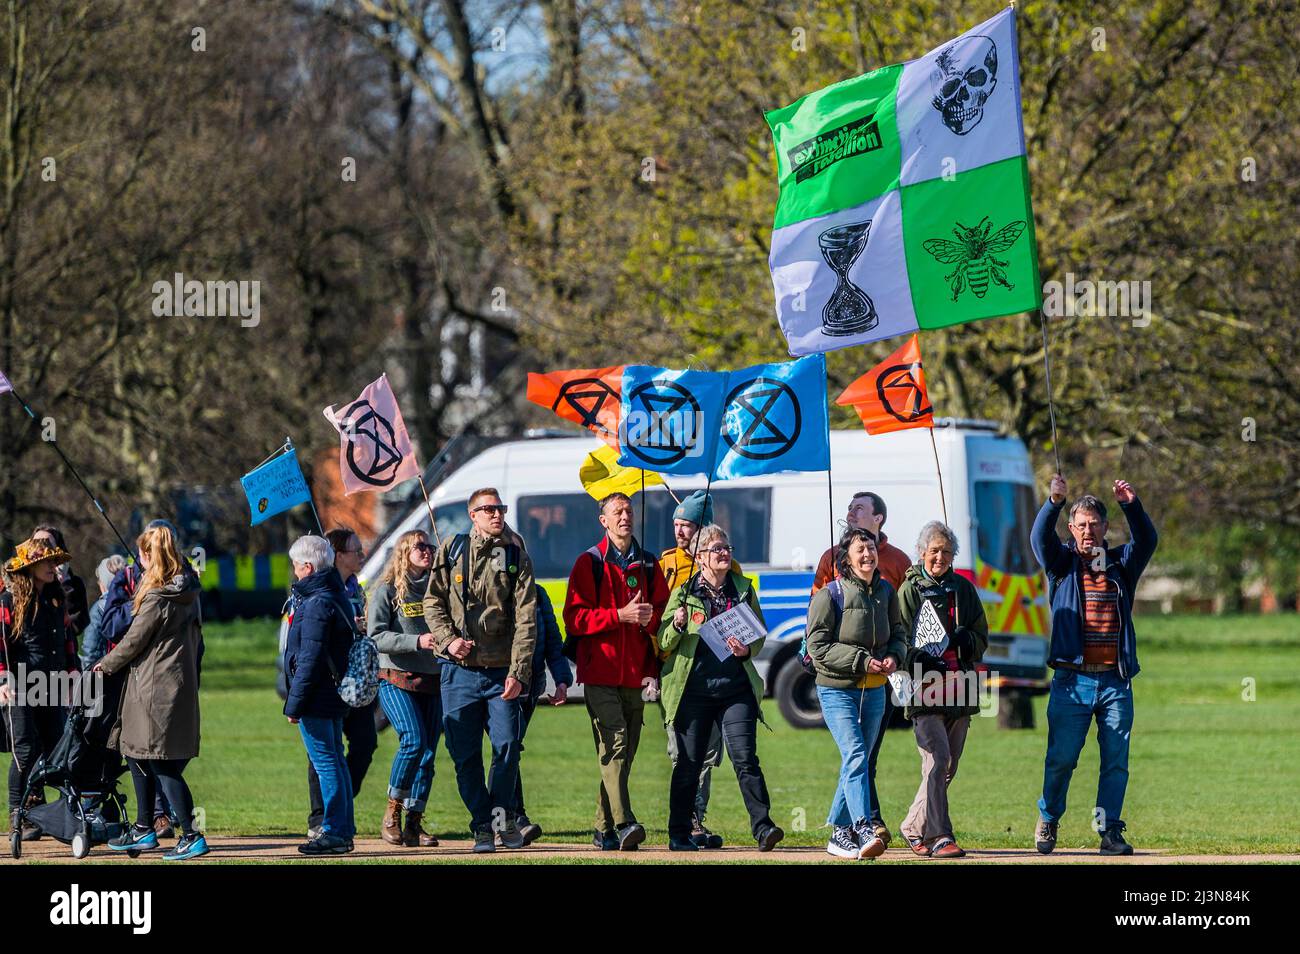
column 491, row 508
column 422, row 546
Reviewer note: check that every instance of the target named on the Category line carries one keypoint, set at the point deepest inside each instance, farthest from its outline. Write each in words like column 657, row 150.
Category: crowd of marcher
column 465, row 639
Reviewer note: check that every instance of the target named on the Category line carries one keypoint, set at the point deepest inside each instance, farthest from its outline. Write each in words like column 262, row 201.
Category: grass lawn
column 1211, row 772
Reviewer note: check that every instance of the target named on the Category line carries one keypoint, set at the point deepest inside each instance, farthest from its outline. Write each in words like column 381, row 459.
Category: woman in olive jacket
column 700, row 691
column 948, row 689
column 855, row 638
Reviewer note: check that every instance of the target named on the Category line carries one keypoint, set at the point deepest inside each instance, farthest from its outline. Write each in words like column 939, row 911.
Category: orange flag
column 592, row 398
column 891, row 396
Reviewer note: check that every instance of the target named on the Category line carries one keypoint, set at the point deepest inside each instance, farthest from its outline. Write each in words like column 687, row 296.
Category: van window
column 1004, row 516
column 558, row 527
column 453, row 518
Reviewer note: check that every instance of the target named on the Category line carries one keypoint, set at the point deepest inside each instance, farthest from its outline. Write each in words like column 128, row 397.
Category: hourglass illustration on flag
column 849, row 310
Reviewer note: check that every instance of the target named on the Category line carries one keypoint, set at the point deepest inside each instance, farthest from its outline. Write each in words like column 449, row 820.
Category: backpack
column 836, row 588
column 570, row 647
column 359, row 684
column 459, row 551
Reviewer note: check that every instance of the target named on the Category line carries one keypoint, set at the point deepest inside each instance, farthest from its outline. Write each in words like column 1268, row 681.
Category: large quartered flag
column 774, row 419
column 590, row 397
column 670, row 419
column 275, row 487
column 375, row 450
column 904, row 199
column 892, row 396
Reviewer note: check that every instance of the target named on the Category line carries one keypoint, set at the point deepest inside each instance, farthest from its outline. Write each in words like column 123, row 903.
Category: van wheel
column 796, row 696
column 1015, row 710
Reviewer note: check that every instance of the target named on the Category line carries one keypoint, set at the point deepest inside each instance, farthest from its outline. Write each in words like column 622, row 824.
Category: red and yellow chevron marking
column 1022, row 609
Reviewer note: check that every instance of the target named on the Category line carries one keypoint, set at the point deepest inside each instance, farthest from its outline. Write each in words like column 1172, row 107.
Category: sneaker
column 917, row 845
column 510, row 835
column 629, row 836
column 605, row 840
column 768, row 840
column 326, row 844
column 1045, row 836
column 189, row 846
column 484, row 840
column 702, row 837
column 682, row 844
column 843, row 843
column 882, row 831
column 869, row 846
column 529, row 829
column 1113, row 843
column 946, row 848
column 162, row 826
column 135, row 838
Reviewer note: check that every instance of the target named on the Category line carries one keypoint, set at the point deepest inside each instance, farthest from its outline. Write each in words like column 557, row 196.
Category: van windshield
column 558, row 527
column 1004, row 515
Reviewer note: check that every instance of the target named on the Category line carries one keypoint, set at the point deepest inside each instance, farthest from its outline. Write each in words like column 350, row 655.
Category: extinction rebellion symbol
column 377, row 461
column 262, row 505
column 665, row 422
column 587, row 396
column 753, row 410
column 900, row 393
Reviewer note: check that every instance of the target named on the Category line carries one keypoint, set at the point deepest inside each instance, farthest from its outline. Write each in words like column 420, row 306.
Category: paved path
column 270, row 848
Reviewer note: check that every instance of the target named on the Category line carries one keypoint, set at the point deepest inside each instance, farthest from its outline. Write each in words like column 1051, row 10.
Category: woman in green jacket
column 947, row 687
column 855, row 638
column 699, row 690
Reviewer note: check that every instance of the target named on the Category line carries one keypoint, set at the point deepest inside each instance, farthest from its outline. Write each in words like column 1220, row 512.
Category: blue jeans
column 839, row 807
column 417, row 719
column 853, row 716
column 1076, row 699
column 324, row 741
column 471, row 704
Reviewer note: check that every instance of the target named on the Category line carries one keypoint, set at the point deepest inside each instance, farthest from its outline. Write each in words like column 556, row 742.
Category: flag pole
column 1051, row 410
column 311, row 498
column 433, row 522
column 93, row 499
column 942, row 500
column 643, row 502
column 830, row 492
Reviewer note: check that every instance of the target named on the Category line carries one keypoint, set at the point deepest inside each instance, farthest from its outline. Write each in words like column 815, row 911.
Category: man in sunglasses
column 1094, row 653
column 481, row 610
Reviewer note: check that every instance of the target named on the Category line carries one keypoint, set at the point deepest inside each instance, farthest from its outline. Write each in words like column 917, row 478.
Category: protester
column 615, row 602
column 33, row 639
column 1093, row 650
column 677, row 563
column 701, row 692
column 93, row 644
column 941, row 715
column 855, row 642
column 410, row 692
column 320, row 636
column 481, row 609
column 358, row 723
column 867, row 510
column 74, row 587
column 158, row 723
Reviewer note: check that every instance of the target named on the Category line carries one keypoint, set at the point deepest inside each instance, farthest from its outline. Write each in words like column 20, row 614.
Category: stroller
column 90, row 810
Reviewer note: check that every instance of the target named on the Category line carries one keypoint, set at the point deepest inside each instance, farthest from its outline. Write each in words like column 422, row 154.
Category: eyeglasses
column 722, row 550
column 491, row 508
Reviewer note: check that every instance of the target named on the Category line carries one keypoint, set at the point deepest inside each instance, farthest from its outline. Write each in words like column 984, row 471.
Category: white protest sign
column 739, row 622
column 928, row 634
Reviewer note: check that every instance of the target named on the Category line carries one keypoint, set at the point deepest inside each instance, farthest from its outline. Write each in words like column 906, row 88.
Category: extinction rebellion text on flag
column 821, row 152
column 76, row 907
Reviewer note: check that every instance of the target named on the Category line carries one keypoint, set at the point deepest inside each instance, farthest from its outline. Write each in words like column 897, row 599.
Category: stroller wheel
column 16, row 844
column 81, row 842
column 133, row 852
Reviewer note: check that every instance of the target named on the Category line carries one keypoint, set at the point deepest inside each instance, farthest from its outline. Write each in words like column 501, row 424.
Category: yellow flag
column 601, row 475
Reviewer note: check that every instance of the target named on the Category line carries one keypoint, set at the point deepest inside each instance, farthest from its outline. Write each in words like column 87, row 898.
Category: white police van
column 780, row 526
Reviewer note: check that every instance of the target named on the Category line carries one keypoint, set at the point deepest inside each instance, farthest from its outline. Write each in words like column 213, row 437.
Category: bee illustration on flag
column 973, row 255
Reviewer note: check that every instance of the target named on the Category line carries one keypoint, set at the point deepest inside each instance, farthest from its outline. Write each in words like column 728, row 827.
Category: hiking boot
column 529, row 829
column 843, row 843
column 1113, row 843
column 162, row 826
column 189, row 846
column 946, row 848
column 768, row 840
column 413, row 835
column 1045, row 836
column 135, row 838
column 391, row 828
column 29, row 831
column 682, row 844
column 702, row 837
column 605, row 840
column 510, row 835
column 869, row 846
column 629, row 836
column 326, row 844
column 485, row 840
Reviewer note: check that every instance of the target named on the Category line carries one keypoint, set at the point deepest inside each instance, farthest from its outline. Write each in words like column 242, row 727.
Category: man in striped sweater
column 1094, row 653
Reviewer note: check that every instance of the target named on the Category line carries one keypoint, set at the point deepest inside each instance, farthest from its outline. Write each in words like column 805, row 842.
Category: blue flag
column 275, row 487
column 671, row 419
column 774, row 419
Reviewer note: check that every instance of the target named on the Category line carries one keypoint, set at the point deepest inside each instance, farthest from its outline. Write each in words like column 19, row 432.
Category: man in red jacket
column 615, row 600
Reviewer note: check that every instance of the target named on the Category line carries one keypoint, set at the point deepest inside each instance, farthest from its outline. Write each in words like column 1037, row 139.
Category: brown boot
column 413, row 835
column 392, row 829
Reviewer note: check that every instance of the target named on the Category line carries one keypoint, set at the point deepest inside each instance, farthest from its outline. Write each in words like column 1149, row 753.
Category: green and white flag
column 905, row 198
